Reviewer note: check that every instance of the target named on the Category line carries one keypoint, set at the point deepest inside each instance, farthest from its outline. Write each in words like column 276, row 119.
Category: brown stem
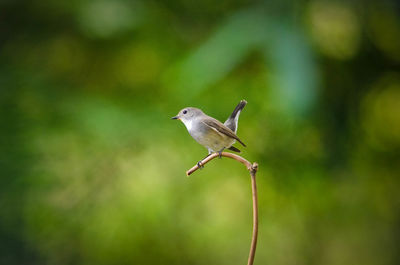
column 253, row 170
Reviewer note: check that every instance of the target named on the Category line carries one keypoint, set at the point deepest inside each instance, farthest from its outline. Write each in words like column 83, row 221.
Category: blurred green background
column 93, row 169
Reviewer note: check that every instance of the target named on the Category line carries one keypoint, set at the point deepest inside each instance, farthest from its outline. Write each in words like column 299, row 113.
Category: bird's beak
column 175, row 118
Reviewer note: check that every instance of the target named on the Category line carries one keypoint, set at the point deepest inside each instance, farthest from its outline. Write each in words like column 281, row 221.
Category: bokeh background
column 93, row 169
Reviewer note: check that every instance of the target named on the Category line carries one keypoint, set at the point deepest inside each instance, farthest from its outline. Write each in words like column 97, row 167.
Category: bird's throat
column 189, row 124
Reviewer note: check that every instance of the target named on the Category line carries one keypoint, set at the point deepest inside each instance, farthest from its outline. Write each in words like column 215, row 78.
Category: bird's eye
column 185, row 111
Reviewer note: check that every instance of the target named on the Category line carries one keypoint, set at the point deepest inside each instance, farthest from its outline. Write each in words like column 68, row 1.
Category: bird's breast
column 208, row 137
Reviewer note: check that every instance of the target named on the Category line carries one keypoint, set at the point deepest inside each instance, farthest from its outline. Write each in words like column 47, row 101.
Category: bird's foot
column 220, row 152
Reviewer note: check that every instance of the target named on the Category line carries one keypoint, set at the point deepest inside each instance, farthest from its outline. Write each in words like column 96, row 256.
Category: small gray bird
column 210, row 132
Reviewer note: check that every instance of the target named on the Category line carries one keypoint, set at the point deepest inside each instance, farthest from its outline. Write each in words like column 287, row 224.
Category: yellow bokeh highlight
column 381, row 113
column 334, row 28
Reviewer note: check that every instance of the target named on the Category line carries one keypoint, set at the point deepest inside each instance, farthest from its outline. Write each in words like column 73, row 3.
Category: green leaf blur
column 92, row 169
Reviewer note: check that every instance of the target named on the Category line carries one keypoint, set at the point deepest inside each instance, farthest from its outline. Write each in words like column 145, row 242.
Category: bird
column 211, row 133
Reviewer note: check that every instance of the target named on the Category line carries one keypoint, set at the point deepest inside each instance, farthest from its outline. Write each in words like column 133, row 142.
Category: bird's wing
column 220, row 128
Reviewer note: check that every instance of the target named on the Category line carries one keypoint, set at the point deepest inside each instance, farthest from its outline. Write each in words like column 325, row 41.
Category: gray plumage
column 210, row 132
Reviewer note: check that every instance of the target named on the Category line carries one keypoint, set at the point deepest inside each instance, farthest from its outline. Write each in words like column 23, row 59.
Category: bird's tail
column 234, row 149
column 232, row 121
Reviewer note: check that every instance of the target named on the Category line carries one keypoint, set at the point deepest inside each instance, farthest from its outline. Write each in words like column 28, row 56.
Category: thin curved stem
column 253, row 170
column 253, row 246
column 214, row 155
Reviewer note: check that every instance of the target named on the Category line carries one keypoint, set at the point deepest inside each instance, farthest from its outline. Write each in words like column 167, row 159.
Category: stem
column 253, row 170
column 252, row 254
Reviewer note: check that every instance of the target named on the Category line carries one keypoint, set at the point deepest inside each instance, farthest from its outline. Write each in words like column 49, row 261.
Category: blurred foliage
column 93, row 170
